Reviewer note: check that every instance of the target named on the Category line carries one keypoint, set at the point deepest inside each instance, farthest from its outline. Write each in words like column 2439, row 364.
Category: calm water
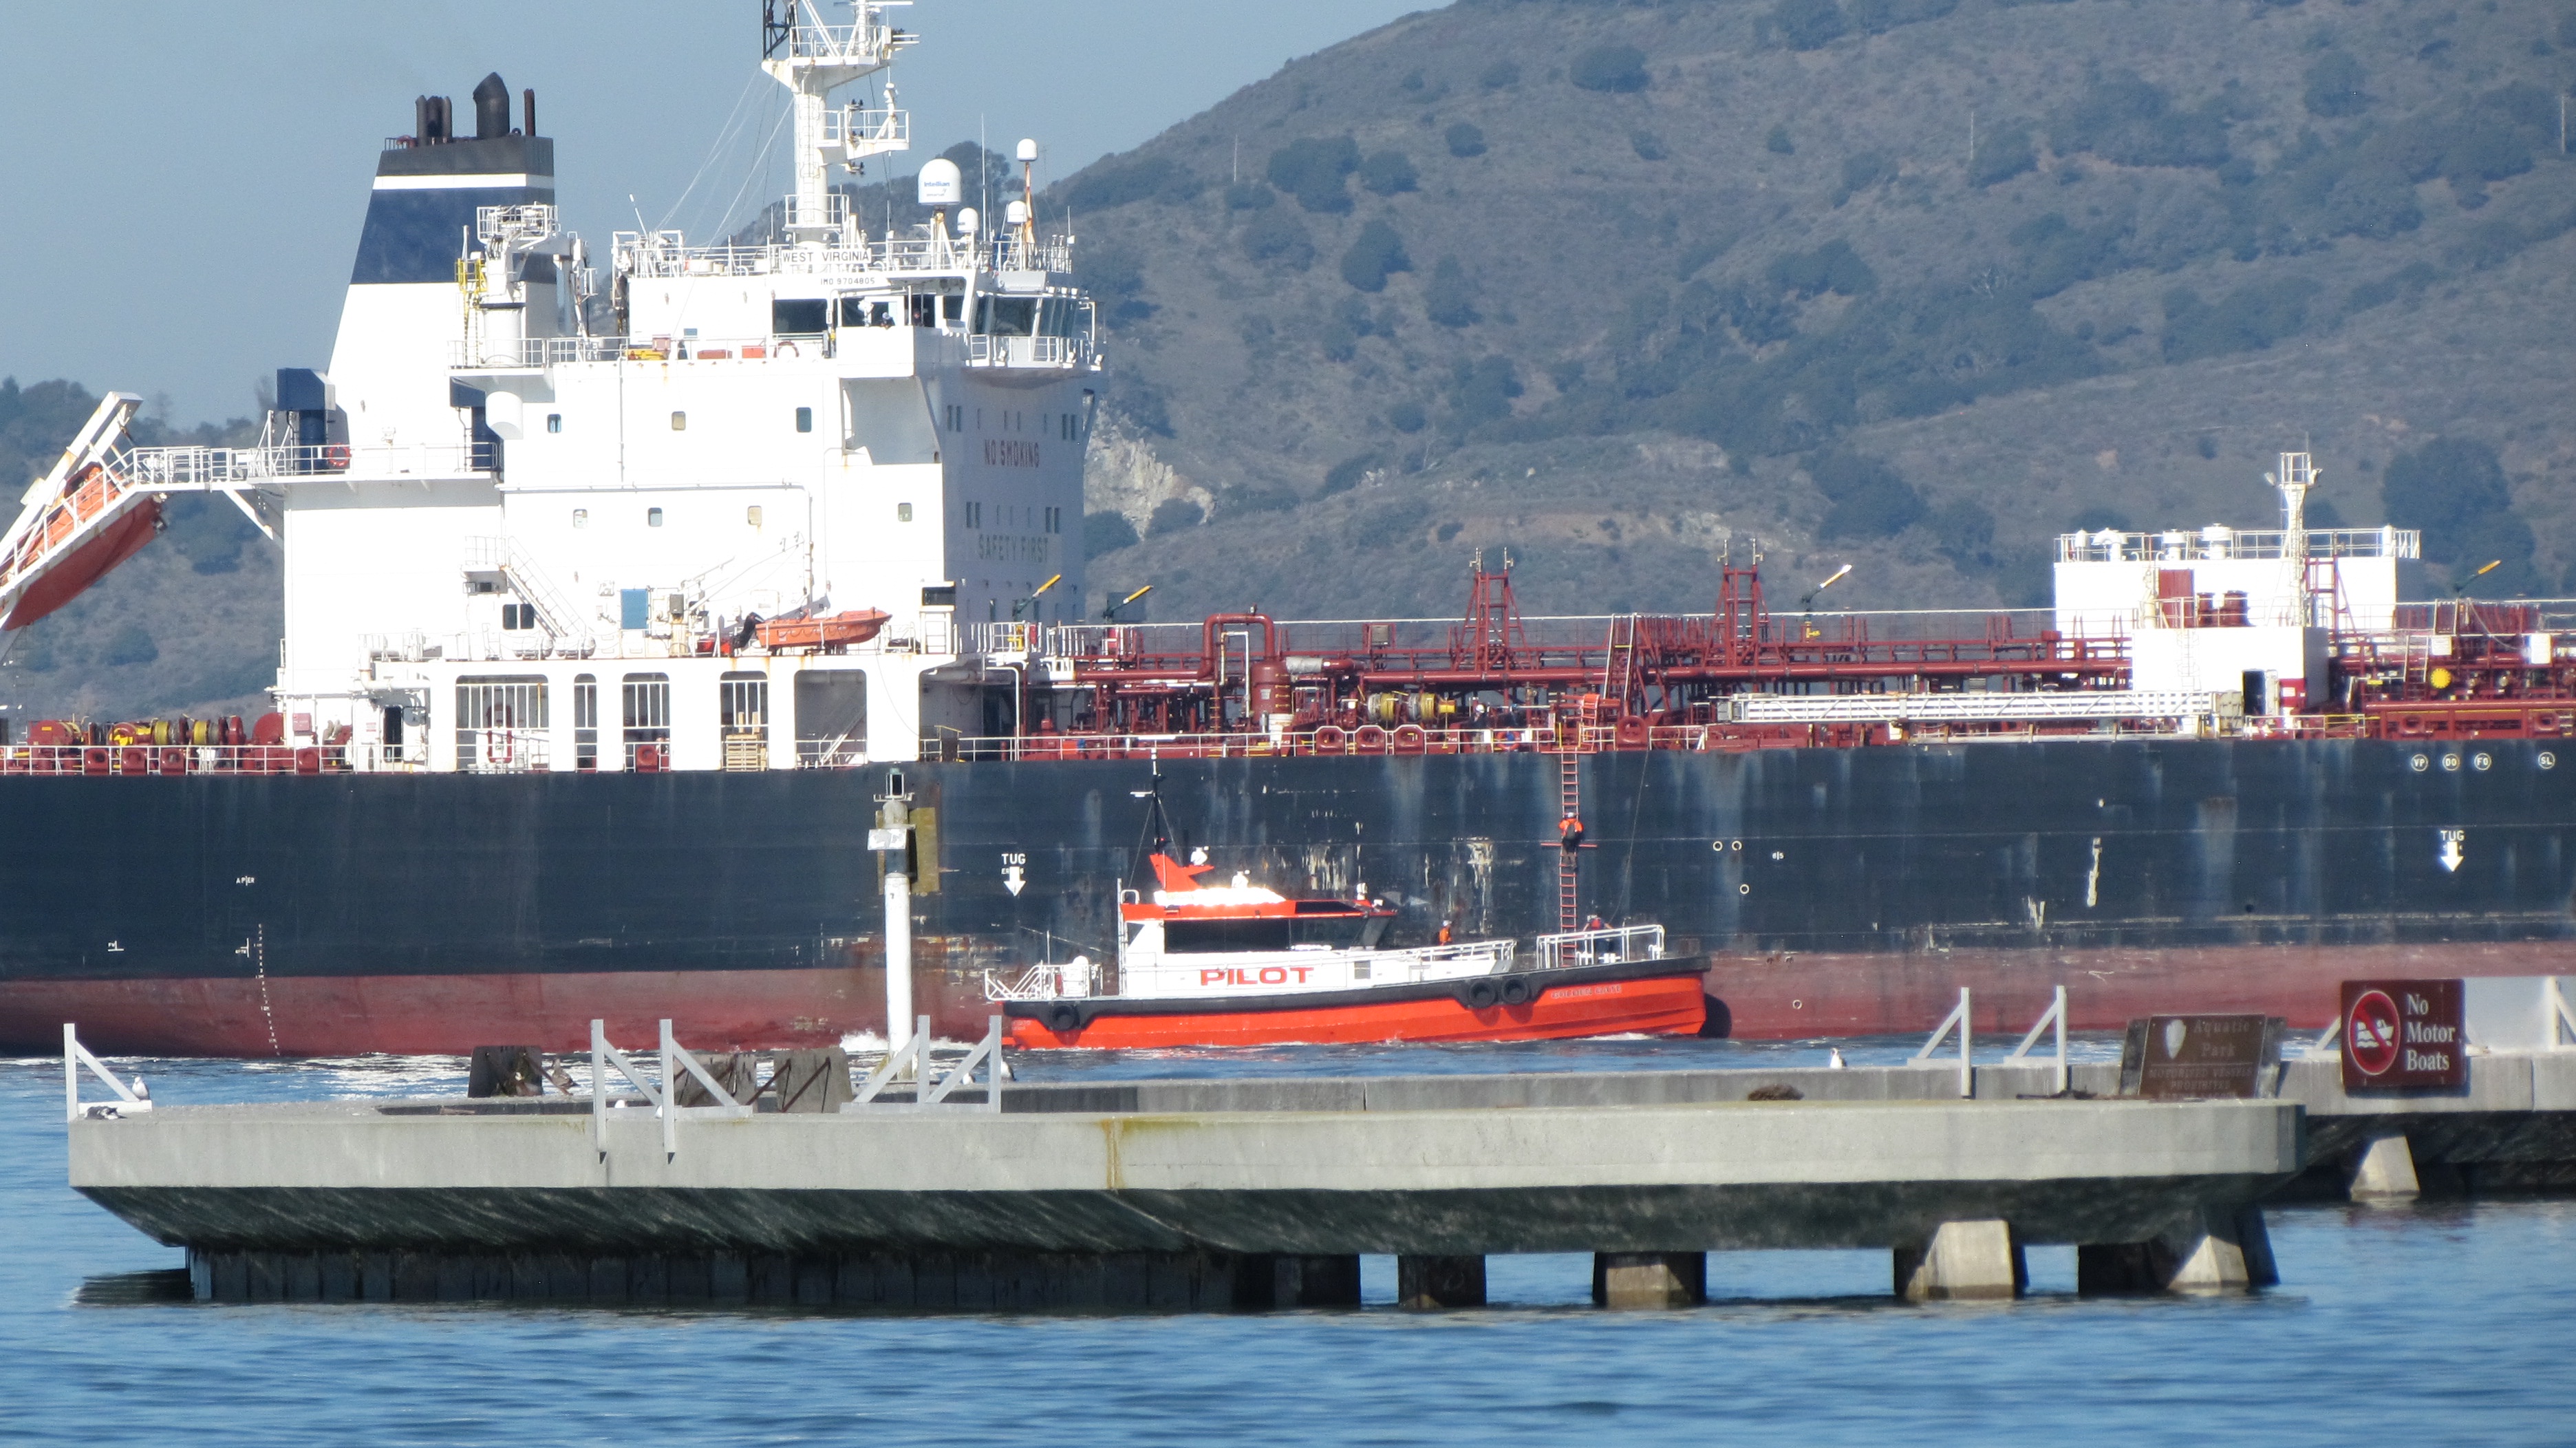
column 2433, row 1324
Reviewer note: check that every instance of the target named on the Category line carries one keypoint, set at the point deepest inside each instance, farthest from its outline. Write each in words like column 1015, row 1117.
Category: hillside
column 188, row 626
column 1608, row 283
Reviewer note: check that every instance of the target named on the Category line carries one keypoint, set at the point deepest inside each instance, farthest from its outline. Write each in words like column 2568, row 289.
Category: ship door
column 831, row 718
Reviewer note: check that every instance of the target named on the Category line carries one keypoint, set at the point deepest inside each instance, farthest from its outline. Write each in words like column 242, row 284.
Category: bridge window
column 903, row 512
column 518, row 617
column 804, row 419
column 1007, row 316
column 800, row 317
column 652, row 517
column 554, row 422
column 581, row 517
column 922, row 311
column 679, row 422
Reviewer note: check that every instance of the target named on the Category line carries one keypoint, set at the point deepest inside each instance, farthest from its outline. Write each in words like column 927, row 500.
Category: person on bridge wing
column 1570, row 832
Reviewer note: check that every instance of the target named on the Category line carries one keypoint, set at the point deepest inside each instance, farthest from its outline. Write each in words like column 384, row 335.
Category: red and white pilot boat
column 1240, row 964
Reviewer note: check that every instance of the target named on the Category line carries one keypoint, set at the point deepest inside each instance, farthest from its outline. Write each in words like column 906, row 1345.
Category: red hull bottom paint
column 1668, row 1006
column 1794, row 997
column 1788, row 997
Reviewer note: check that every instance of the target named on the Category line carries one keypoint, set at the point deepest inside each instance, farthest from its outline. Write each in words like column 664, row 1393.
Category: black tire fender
column 1063, row 1018
column 1518, row 991
column 1480, row 993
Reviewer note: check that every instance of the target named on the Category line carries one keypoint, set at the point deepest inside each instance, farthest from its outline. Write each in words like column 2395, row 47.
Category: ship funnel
column 491, row 108
column 941, row 184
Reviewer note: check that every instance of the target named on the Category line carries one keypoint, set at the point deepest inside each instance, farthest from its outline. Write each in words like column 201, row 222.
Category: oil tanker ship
column 620, row 590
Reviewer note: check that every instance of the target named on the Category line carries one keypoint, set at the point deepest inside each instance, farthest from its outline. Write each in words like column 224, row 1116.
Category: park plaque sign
column 2186, row 1057
column 2403, row 1035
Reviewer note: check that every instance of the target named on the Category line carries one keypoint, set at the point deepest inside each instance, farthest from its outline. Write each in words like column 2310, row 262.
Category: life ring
column 1331, row 740
column 335, row 458
column 788, row 349
column 1409, row 738
column 499, row 748
column 1516, row 991
column 1629, row 733
column 1481, row 994
column 1371, row 739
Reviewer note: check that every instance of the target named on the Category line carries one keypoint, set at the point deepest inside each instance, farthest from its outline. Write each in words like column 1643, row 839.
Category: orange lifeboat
column 834, row 631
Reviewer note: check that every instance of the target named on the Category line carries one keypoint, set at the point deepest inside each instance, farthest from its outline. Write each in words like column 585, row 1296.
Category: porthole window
column 554, row 422
column 652, row 517
column 679, row 422
column 804, row 419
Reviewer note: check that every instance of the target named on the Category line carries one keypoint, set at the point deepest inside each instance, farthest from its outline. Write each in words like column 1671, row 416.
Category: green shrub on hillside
column 2002, row 154
column 1106, row 533
column 1450, row 299
column 1375, row 254
column 1808, row 24
column 1870, row 500
column 2454, row 489
column 2248, row 319
column 1616, row 68
column 1278, row 236
column 2125, row 119
column 1312, row 170
column 1387, row 173
column 1832, row 267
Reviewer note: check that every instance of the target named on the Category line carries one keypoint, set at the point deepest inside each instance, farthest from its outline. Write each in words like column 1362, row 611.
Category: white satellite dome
column 967, row 221
column 941, row 185
column 1017, row 213
column 1028, row 149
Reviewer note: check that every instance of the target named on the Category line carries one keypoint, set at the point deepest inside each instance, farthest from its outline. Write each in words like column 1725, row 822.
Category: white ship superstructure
column 518, row 539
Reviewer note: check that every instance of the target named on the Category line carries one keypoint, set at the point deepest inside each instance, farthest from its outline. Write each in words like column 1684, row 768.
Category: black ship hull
column 1838, row 891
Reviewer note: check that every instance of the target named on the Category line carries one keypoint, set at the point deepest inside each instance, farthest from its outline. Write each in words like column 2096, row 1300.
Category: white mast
column 813, row 58
column 2298, row 474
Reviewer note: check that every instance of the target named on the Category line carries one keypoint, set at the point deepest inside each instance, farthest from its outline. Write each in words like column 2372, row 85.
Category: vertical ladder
column 1570, row 807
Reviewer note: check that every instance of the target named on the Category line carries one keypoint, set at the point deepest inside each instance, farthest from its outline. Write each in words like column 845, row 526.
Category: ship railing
column 501, row 751
column 2181, row 545
column 851, row 126
column 665, row 255
column 1610, row 945
column 1004, row 640
column 983, row 350
column 1012, row 254
column 165, row 760
column 204, row 467
column 1046, row 981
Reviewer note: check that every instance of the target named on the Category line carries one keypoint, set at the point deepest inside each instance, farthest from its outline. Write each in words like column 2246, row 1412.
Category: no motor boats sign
column 2400, row 1034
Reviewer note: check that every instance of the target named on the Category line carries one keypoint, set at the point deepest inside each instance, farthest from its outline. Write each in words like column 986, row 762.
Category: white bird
column 1834, row 1058
column 141, row 1091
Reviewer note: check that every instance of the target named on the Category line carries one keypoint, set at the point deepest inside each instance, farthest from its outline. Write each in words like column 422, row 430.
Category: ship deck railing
column 1603, row 945
column 667, row 255
column 2216, row 544
column 165, row 760
column 165, row 468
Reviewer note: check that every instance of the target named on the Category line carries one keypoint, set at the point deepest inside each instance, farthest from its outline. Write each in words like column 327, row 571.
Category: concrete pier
column 1169, row 1209
column 1649, row 1279
column 1963, row 1260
